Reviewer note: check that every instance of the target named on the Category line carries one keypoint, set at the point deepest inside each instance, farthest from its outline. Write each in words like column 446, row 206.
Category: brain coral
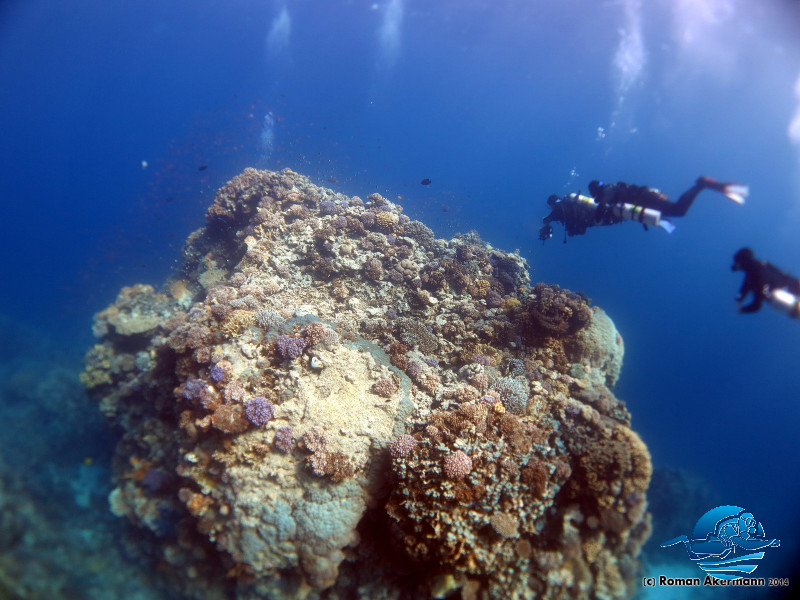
column 456, row 482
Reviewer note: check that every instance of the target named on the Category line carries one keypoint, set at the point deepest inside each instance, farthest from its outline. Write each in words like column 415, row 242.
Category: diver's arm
column 743, row 290
column 752, row 284
column 755, row 304
column 546, row 230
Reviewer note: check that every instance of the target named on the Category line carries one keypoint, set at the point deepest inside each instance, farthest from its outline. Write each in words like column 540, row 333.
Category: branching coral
column 238, row 321
column 290, row 347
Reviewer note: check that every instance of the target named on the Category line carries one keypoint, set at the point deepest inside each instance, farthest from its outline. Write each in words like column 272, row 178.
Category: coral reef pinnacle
column 337, row 404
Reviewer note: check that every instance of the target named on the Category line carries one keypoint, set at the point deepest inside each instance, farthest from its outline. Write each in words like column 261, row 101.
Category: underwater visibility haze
column 275, row 306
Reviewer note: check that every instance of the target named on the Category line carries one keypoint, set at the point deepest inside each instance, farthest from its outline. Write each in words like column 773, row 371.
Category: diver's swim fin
column 735, row 192
column 666, row 225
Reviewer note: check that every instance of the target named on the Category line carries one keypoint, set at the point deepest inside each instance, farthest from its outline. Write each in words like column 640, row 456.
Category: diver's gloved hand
column 545, row 232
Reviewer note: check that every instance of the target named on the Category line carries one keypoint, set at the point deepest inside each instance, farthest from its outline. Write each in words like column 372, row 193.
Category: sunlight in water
column 278, row 36
column 794, row 125
column 629, row 59
column 701, row 31
column 389, row 32
column 268, row 135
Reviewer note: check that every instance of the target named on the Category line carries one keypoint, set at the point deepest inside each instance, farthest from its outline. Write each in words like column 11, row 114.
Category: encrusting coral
column 339, row 405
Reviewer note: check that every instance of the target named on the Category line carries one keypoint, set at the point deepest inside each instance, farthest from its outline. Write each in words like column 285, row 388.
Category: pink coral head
column 457, row 465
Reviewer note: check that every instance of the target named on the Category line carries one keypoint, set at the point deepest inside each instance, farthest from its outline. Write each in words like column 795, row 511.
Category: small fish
column 333, row 180
column 425, row 181
column 202, row 167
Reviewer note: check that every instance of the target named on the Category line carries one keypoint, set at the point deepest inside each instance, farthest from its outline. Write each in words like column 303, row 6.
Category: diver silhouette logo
column 726, row 542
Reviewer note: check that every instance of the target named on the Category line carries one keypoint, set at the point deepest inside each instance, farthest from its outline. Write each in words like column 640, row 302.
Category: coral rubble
column 328, row 401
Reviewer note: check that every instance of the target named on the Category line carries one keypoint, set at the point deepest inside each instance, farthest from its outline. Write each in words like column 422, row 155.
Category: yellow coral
column 385, row 220
column 237, row 322
column 92, row 378
column 178, row 289
column 593, row 546
column 481, row 287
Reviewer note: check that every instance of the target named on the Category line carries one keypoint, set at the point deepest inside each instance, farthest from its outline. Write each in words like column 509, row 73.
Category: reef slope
column 329, row 402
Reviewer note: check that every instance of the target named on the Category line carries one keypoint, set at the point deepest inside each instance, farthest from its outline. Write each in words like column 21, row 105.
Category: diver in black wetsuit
column 572, row 212
column 767, row 282
column 614, row 203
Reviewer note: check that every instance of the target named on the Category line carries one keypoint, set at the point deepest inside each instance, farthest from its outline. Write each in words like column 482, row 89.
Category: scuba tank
column 627, row 212
column 784, row 301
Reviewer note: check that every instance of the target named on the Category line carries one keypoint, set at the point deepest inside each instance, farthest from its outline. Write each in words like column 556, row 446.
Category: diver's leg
column 679, row 208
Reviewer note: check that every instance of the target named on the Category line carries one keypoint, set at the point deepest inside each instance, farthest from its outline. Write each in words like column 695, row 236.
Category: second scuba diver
column 767, row 282
column 613, row 203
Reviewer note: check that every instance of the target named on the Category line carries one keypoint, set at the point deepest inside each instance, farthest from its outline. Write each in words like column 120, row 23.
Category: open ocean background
column 500, row 103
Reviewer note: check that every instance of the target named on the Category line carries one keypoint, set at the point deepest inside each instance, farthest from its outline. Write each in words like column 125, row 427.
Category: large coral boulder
column 328, row 401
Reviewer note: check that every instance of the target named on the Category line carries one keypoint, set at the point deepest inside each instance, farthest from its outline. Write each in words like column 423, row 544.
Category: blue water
column 108, row 111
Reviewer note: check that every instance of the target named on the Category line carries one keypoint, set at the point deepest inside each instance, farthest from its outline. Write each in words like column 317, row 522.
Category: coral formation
column 457, row 465
column 259, row 411
column 334, row 377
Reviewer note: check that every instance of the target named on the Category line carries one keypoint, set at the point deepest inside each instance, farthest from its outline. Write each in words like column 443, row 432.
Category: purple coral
column 194, row 389
column 368, row 218
column 284, row 439
column 573, row 410
column 259, row 411
column 493, row 299
column 414, row 369
column 156, row 480
column 328, row 207
column 482, row 359
column 431, row 362
column 290, row 347
column 217, row 373
column 488, row 400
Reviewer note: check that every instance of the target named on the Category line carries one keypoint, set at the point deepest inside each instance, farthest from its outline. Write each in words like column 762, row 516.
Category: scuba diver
column 767, row 282
column 613, row 203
